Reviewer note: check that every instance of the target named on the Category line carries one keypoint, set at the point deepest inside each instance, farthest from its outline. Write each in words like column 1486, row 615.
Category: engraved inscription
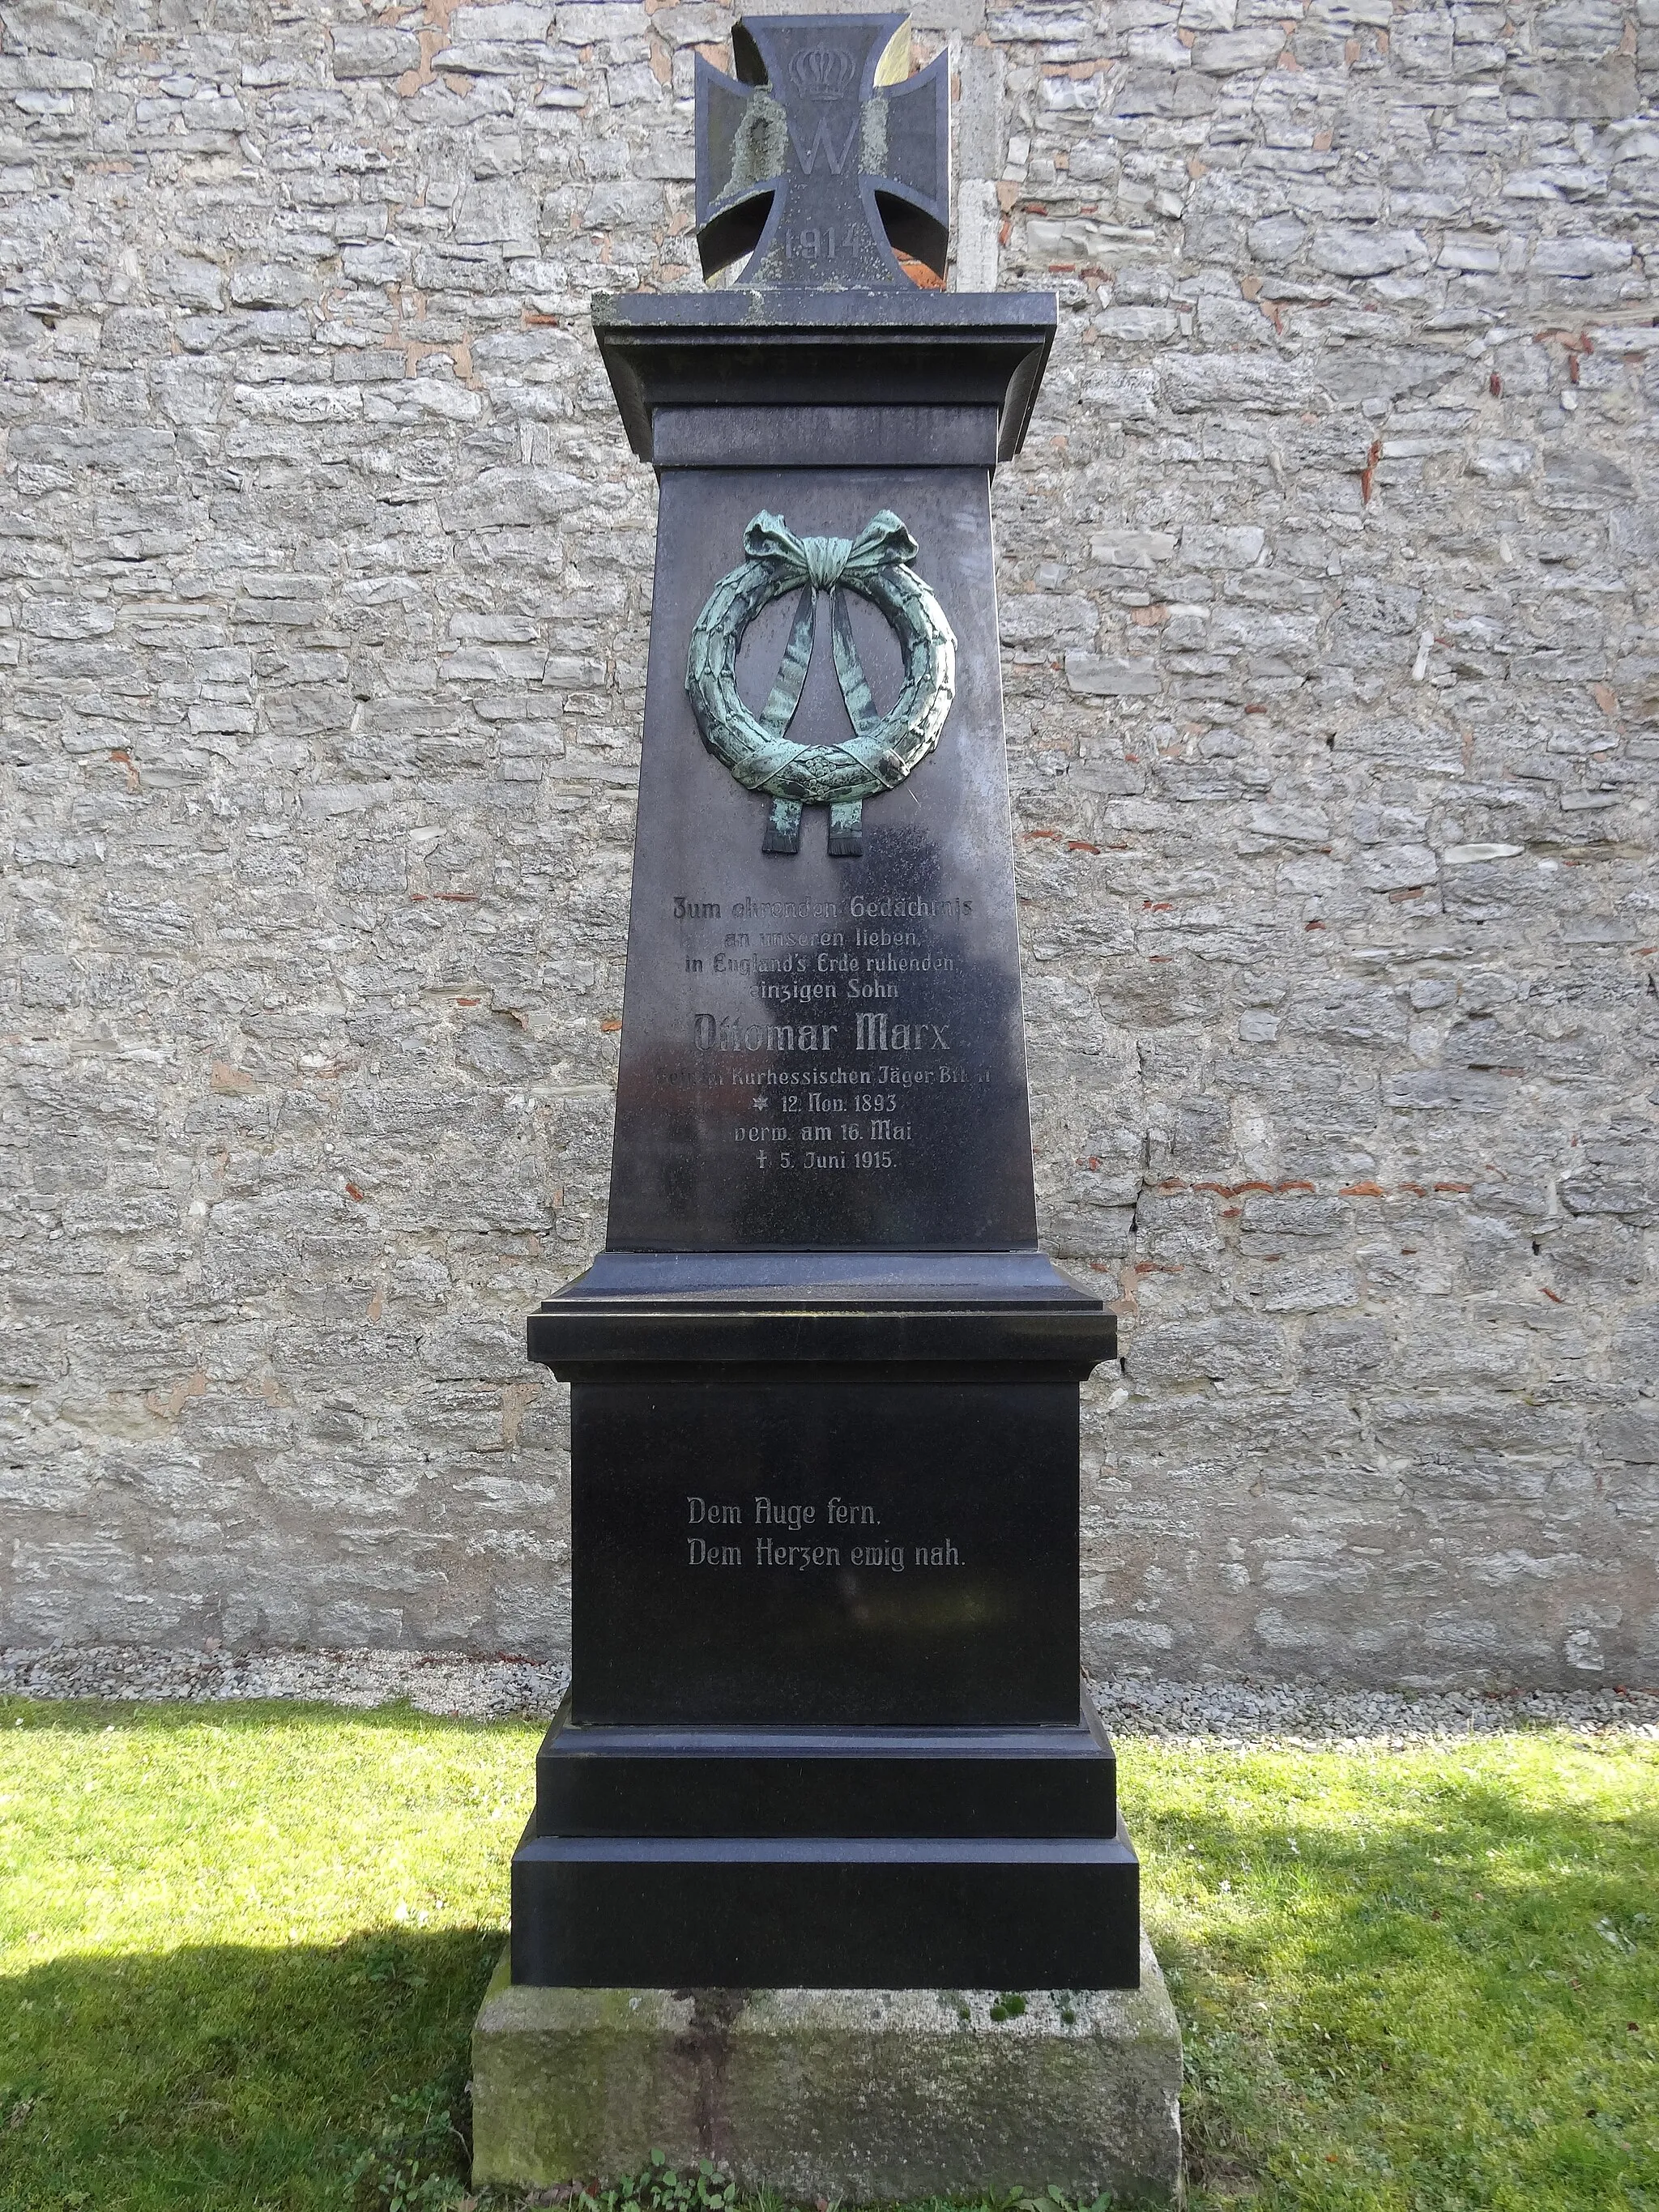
column 826, row 1022
column 796, row 1544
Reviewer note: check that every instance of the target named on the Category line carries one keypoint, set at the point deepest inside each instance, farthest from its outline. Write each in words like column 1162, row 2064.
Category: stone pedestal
column 859, row 2095
column 824, row 1727
column 825, row 1761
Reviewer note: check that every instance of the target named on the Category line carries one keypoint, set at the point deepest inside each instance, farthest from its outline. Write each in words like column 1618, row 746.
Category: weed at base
column 419, row 2158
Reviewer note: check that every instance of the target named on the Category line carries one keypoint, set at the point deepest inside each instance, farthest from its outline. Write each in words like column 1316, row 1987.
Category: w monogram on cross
column 823, row 144
column 823, row 153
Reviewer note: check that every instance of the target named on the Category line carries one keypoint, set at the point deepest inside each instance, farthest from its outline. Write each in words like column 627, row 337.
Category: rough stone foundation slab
column 865, row 2095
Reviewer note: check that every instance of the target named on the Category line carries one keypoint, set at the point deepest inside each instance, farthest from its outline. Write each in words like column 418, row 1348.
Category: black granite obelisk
column 824, row 1727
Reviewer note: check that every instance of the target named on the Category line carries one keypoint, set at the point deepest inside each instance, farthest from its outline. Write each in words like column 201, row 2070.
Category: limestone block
column 864, row 2095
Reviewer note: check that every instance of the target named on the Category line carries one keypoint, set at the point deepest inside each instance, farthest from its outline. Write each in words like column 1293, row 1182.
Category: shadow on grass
column 1451, row 2004
column 1426, row 2006
column 222, row 2078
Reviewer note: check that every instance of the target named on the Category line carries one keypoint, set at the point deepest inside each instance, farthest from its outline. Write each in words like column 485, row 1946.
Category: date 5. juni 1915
column 810, row 1161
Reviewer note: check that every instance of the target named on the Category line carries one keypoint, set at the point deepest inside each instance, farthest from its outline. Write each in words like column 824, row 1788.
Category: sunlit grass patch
column 240, row 1946
column 1423, row 1978
column 231, row 1935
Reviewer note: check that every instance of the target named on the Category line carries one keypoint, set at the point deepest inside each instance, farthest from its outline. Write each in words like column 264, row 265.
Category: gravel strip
column 1239, row 1713
column 1315, row 1716
column 435, row 1683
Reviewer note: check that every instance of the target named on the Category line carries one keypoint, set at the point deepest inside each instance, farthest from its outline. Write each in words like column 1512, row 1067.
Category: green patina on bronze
column 881, row 750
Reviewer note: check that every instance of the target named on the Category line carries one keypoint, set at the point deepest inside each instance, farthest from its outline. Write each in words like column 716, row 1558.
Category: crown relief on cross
column 823, row 158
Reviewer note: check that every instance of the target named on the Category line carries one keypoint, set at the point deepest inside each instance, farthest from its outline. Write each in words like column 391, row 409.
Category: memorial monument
column 825, row 1876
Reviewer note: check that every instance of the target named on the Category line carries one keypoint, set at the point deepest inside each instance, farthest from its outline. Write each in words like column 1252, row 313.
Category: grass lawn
column 236, row 1942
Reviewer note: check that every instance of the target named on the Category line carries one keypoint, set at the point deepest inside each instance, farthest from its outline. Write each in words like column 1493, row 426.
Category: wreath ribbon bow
column 882, row 748
column 823, row 562
column 826, row 564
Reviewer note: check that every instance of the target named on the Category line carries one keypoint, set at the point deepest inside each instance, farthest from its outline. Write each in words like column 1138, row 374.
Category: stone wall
column 1328, row 611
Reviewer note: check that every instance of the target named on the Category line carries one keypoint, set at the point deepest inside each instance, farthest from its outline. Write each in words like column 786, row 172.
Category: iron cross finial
column 822, row 153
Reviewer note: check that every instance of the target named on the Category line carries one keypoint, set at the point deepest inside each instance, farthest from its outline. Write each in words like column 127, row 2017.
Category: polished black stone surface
column 996, row 1316
column 767, row 350
column 696, row 1781
column 832, row 1546
column 820, row 437
column 825, row 1726
column 824, row 1052
column 880, row 1913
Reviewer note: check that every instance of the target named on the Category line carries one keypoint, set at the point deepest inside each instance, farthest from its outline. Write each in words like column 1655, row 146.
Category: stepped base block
column 672, row 1781
column 830, row 1913
column 866, row 2096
